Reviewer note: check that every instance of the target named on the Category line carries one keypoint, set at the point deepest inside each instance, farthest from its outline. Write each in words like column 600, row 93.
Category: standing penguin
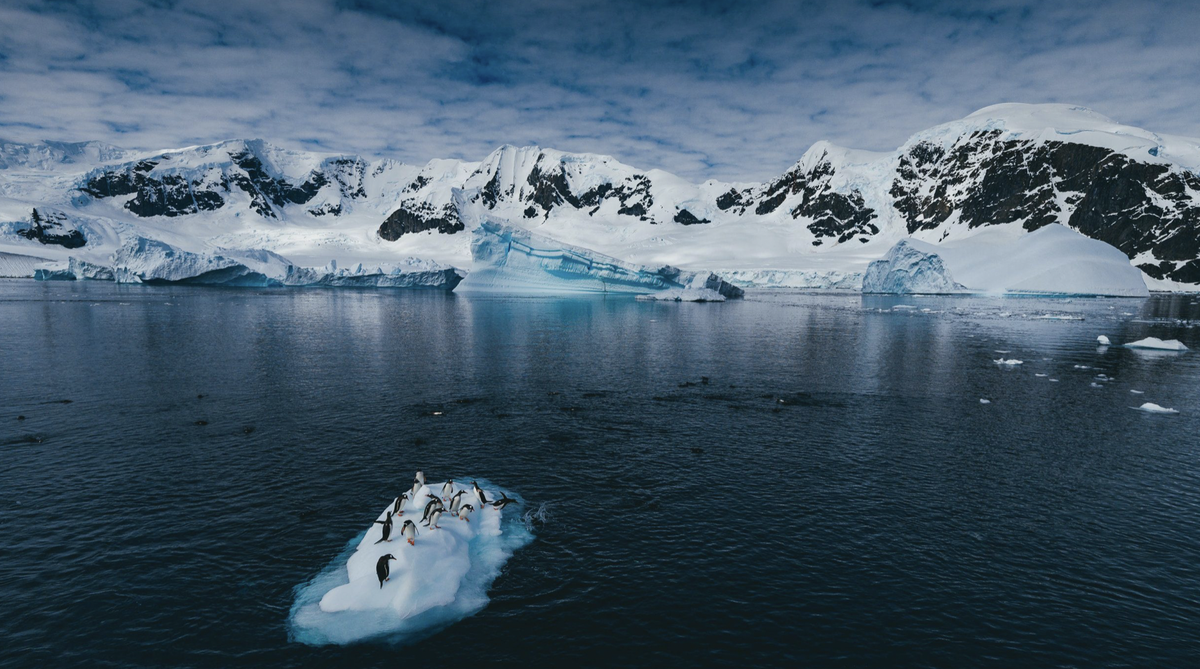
column 409, row 530
column 479, row 494
column 434, row 518
column 421, row 477
column 448, row 489
column 503, row 501
column 456, row 501
column 465, row 511
column 398, row 505
column 387, row 528
column 382, row 568
column 434, row 504
column 416, row 488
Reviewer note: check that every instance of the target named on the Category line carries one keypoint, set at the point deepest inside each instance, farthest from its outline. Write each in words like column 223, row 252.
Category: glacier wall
column 516, row 261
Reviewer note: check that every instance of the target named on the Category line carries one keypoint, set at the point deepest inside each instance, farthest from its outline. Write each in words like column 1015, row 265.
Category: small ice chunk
column 1082, row 367
column 1137, row 392
column 1053, row 380
column 983, row 401
column 1041, row 376
column 999, row 351
column 1096, row 385
column 1151, row 407
column 1103, row 340
column 1158, row 344
column 1011, row 362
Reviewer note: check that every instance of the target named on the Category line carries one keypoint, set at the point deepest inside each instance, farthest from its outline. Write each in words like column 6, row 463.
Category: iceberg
column 1053, row 260
column 1103, row 340
column 1151, row 407
column 143, row 260
column 515, row 261
column 1156, row 344
column 442, row 577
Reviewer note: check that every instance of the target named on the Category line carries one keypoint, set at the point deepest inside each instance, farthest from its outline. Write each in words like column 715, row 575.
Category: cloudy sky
column 711, row 89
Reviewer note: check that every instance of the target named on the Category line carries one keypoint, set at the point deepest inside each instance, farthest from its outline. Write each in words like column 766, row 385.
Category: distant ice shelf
column 1054, row 260
column 515, row 261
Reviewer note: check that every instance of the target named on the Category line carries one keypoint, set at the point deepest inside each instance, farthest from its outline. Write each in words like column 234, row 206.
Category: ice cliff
column 513, row 260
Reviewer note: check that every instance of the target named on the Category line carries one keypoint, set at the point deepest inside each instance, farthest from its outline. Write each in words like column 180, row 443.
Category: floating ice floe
column 1011, row 362
column 1039, row 375
column 515, row 261
column 983, row 401
column 1151, row 407
column 1137, row 392
column 1156, row 344
column 1103, row 340
column 442, row 577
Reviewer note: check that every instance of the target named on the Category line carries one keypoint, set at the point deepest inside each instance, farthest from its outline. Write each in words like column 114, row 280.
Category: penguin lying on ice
column 382, row 568
column 503, row 501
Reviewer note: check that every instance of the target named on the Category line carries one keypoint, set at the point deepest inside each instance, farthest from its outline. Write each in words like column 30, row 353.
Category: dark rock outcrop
column 420, row 218
column 51, row 228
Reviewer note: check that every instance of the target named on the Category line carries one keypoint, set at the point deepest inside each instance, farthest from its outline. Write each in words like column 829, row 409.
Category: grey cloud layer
column 706, row 90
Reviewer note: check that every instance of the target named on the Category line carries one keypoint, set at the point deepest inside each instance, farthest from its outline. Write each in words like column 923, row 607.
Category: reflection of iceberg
column 142, row 260
column 1052, row 260
column 511, row 260
column 440, row 579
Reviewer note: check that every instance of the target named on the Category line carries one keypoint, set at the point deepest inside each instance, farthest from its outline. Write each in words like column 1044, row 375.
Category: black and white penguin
column 421, row 477
column 382, row 568
column 416, row 488
column 387, row 528
column 398, row 505
column 465, row 511
column 434, row 518
column 434, row 504
column 479, row 494
column 448, row 489
column 409, row 530
column 456, row 501
column 503, row 501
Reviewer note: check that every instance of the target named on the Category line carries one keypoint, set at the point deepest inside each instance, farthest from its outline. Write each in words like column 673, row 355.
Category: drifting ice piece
column 1151, row 407
column 1103, row 340
column 1052, row 260
column 1157, row 344
column 439, row 579
column 511, row 260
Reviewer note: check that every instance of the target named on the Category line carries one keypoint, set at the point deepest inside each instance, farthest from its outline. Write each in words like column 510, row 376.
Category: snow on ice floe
column 1051, row 260
column 441, row 578
column 515, row 261
column 1151, row 407
column 1156, row 344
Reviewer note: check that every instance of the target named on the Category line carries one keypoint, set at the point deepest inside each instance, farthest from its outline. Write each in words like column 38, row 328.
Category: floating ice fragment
column 999, row 351
column 1157, row 344
column 1041, row 375
column 1103, row 340
column 1137, row 392
column 1053, row 380
column 1011, row 362
column 1082, row 367
column 983, row 401
column 1151, row 407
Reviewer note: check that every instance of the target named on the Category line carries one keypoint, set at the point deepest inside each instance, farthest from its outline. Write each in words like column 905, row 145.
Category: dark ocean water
column 836, row 494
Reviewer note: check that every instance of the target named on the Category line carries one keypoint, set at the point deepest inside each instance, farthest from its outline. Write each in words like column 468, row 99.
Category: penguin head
column 389, row 556
column 467, row 507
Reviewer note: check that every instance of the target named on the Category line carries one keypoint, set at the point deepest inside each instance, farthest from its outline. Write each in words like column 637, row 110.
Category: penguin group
column 453, row 501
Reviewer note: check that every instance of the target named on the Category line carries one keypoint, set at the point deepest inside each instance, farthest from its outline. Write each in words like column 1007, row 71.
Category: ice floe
column 1103, row 340
column 438, row 579
column 1151, row 407
column 1156, row 344
column 1011, row 362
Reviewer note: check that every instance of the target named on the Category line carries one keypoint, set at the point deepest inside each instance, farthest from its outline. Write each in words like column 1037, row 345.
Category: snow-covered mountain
column 1009, row 169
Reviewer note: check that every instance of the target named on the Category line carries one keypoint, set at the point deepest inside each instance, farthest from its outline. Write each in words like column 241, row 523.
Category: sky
column 734, row 91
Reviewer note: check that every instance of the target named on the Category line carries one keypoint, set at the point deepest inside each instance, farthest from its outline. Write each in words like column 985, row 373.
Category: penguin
column 382, row 568
column 398, row 505
column 479, row 494
column 387, row 528
column 503, row 501
column 465, row 511
column 456, row 501
column 409, row 530
column 421, row 477
column 434, row 504
column 417, row 484
column 434, row 518
column 448, row 489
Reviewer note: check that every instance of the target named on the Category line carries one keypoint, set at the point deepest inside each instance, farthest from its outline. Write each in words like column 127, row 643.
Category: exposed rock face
column 404, row 221
column 53, row 228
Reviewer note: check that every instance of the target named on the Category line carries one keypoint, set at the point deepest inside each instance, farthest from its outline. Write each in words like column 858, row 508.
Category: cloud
column 726, row 90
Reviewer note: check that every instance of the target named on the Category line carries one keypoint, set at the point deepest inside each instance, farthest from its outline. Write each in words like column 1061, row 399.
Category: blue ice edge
column 308, row 624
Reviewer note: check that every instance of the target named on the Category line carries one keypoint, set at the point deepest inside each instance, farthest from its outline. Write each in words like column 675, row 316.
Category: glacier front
column 1053, row 260
column 515, row 261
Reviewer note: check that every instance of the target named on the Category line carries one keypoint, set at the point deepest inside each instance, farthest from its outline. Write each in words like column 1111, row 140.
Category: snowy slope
column 1020, row 167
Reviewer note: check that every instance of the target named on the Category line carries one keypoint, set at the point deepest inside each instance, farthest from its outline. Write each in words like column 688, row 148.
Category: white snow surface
column 1052, row 260
column 1156, row 344
column 440, row 579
